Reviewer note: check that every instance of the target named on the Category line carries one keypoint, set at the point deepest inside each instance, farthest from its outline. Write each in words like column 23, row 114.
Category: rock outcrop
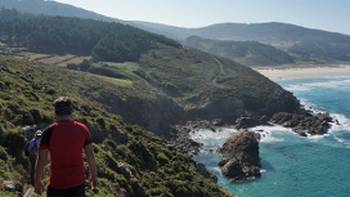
column 247, row 121
column 240, row 157
column 304, row 123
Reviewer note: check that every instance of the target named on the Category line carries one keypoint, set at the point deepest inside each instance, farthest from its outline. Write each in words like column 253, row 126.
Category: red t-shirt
column 65, row 141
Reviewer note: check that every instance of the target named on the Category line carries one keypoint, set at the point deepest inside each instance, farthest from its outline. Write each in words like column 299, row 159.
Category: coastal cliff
column 160, row 83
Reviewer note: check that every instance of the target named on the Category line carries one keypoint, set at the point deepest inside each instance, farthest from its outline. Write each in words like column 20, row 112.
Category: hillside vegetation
column 104, row 41
column 187, row 84
column 131, row 161
column 165, row 85
column 210, row 87
column 250, row 53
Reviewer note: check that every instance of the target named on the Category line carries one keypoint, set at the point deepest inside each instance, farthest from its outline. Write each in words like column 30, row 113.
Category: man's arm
column 26, row 151
column 42, row 161
column 92, row 164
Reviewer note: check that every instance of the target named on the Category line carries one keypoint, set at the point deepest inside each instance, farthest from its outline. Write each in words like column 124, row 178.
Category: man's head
column 63, row 107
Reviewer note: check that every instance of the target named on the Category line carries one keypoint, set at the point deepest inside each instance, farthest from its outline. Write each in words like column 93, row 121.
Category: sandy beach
column 303, row 71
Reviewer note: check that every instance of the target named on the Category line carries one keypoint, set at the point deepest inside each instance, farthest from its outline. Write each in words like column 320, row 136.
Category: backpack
column 32, row 147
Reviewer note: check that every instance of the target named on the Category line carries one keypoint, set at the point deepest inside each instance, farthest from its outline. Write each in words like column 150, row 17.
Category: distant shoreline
column 303, row 71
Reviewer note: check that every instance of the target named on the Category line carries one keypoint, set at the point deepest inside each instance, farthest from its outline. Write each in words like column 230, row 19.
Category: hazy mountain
column 245, row 52
column 303, row 43
column 300, row 42
column 177, row 33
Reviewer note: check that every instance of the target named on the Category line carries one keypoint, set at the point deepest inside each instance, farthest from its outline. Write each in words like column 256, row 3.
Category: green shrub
column 3, row 154
column 162, row 158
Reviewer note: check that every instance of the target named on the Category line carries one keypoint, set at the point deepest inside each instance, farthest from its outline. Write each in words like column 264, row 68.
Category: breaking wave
column 339, row 83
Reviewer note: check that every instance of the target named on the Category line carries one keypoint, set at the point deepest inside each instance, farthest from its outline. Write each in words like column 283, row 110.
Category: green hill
column 182, row 84
column 104, row 41
column 245, row 52
column 130, row 159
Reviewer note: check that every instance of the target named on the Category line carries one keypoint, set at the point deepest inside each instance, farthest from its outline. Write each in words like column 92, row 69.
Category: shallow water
column 292, row 165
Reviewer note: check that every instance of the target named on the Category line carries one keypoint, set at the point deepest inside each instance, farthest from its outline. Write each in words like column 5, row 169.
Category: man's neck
column 63, row 118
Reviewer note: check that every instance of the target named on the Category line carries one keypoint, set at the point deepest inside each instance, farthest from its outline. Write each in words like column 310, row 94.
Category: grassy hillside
column 189, row 84
column 60, row 35
column 210, row 87
column 245, row 52
column 162, row 83
column 129, row 158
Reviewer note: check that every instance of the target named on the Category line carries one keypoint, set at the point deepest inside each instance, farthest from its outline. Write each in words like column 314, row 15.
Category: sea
column 315, row 166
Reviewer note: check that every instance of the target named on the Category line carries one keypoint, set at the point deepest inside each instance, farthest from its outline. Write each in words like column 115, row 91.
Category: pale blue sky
column 333, row 15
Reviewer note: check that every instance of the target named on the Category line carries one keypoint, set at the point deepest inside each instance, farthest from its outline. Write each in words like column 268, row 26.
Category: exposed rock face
column 240, row 157
column 304, row 122
column 245, row 122
column 156, row 115
column 182, row 140
column 139, row 189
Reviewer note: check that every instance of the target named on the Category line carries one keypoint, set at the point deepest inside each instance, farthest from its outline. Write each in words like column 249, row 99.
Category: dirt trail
column 30, row 192
column 221, row 66
column 220, row 73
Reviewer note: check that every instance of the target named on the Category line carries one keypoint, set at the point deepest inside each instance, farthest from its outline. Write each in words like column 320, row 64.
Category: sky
column 331, row 15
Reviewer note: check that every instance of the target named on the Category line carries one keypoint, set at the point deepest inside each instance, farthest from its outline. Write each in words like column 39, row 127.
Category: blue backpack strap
column 33, row 146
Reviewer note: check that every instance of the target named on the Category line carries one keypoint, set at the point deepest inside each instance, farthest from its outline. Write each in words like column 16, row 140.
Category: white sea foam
column 297, row 88
column 266, row 133
column 208, row 137
column 310, row 106
column 338, row 83
column 342, row 123
column 207, row 134
column 342, row 141
column 216, row 138
column 215, row 169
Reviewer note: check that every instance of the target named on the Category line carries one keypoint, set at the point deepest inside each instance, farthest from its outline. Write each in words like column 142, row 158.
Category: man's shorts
column 70, row 192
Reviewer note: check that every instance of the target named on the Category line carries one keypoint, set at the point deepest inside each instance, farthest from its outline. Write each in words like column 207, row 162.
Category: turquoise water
column 292, row 165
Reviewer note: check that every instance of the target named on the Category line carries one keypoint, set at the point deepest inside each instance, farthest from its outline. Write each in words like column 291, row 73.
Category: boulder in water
column 240, row 157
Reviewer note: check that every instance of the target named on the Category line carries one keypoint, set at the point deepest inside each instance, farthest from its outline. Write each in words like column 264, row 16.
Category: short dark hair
column 63, row 106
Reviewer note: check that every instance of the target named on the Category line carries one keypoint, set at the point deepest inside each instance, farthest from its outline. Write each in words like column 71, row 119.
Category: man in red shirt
column 63, row 142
